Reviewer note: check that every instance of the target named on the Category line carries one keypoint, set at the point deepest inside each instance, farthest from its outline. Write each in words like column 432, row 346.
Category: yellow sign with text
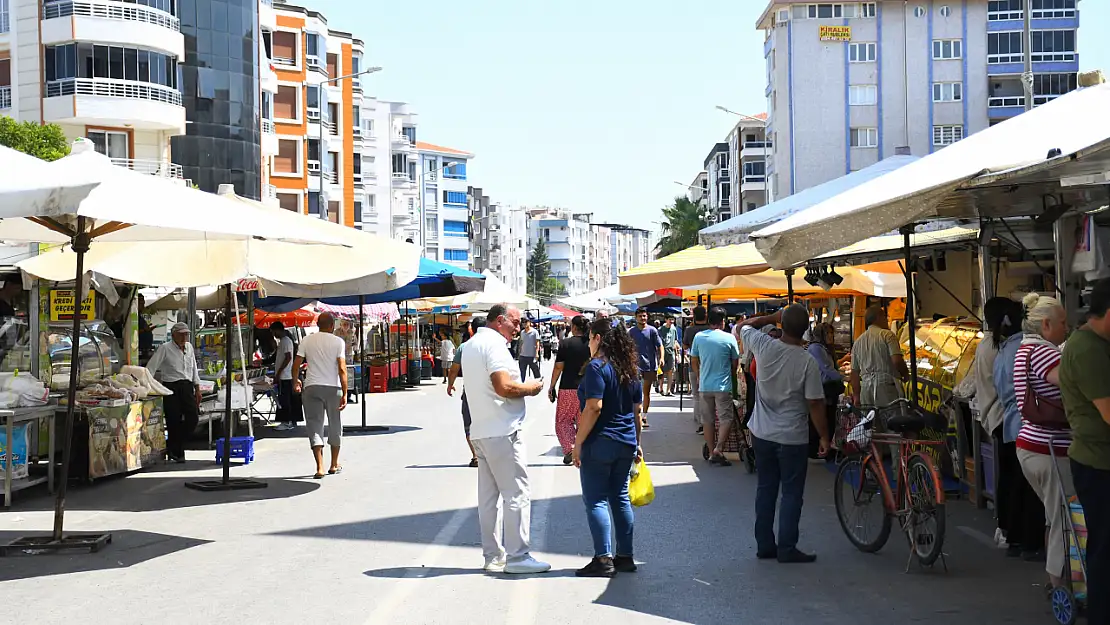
column 61, row 305
column 835, row 33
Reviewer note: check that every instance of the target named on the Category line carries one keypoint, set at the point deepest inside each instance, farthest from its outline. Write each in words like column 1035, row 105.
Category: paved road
column 394, row 540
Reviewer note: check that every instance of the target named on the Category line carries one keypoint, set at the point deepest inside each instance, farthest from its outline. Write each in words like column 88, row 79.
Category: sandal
column 335, row 471
column 318, row 476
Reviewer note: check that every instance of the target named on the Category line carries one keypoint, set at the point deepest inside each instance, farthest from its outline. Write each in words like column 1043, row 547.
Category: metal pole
column 911, row 316
column 1027, row 53
column 906, row 66
column 363, row 373
column 228, row 381
column 80, row 246
column 789, row 286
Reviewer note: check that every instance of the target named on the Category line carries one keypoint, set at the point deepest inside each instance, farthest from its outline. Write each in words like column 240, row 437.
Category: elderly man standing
column 495, row 393
column 877, row 362
column 175, row 364
column 324, row 390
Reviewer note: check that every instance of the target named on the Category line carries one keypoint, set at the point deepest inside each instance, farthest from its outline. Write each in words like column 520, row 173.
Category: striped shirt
column 1032, row 364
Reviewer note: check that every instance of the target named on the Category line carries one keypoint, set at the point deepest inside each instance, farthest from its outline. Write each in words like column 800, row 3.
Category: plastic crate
column 379, row 379
column 242, row 448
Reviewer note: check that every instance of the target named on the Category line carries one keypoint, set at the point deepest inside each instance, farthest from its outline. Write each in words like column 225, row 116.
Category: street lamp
column 323, row 211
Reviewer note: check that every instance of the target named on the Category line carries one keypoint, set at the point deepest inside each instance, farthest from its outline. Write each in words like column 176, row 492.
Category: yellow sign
column 61, row 306
column 835, row 33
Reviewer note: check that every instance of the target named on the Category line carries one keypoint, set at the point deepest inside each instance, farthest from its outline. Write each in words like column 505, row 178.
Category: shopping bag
column 640, row 489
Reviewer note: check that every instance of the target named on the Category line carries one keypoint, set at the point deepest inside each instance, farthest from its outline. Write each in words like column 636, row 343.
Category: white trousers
column 503, row 476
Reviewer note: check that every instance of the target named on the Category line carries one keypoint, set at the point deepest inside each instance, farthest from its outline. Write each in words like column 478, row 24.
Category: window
column 998, row 10
column 410, row 133
column 864, row 137
column 412, row 171
column 285, row 48
column 399, row 163
column 863, row 95
column 456, row 255
column 313, row 203
column 799, row 12
column 109, row 143
column 333, row 65
column 1053, row 45
column 757, row 169
column 288, row 158
column 1053, row 85
column 722, row 160
column 454, row 228
column 289, row 201
column 944, row 49
column 314, row 43
column 455, row 171
column 867, row 9
column 919, row 11
column 948, row 92
column 312, row 98
column 314, row 150
column 454, row 197
column 356, row 161
column 73, row 60
column 1053, row 8
column 1004, row 47
column 285, row 103
column 825, row 11
column 947, row 135
column 945, row 11
column 862, row 52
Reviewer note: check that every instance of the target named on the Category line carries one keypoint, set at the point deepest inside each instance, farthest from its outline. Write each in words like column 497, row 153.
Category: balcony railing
column 1039, row 14
column 757, row 145
column 283, row 61
column 268, row 126
column 357, row 180
column 314, row 166
column 1049, row 57
column 993, row 59
column 998, row 16
column 1038, row 100
column 724, row 174
column 269, row 191
column 753, row 178
column 1013, row 100
column 313, row 114
column 109, row 9
column 163, row 169
column 318, row 64
column 5, row 95
column 331, row 176
column 356, row 132
column 114, row 88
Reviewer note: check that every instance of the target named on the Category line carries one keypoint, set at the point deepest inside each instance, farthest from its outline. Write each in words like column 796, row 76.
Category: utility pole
column 1027, row 53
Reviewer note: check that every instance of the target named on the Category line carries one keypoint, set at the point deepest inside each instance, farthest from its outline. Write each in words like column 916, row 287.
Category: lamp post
column 322, row 209
column 534, row 271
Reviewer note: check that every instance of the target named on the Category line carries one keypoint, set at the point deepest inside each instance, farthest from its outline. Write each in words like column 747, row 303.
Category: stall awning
column 736, row 230
column 772, row 284
column 594, row 300
column 370, row 312
column 982, row 175
column 693, row 265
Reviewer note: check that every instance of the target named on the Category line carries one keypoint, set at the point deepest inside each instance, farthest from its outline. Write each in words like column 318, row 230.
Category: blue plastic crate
column 242, row 448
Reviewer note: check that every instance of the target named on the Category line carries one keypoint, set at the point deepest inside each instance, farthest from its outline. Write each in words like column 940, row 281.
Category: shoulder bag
column 1040, row 410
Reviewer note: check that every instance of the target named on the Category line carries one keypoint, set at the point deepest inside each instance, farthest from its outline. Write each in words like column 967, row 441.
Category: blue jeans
column 604, row 473
column 786, row 465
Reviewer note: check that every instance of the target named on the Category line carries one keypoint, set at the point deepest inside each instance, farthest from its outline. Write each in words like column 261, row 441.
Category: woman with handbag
column 607, row 443
column 820, row 346
column 1037, row 388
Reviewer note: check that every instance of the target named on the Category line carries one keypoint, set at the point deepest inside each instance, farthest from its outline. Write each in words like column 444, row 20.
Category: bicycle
column 862, row 482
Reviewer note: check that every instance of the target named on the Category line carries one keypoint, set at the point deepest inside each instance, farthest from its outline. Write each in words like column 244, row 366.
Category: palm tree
column 681, row 223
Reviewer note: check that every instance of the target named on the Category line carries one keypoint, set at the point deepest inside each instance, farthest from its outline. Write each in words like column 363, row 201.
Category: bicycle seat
column 901, row 423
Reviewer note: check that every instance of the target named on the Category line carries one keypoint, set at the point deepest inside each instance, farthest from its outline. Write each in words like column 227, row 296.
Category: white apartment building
column 388, row 202
column 499, row 240
column 99, row 69
column 698, row 190
column 851, row 83
column 567, row 238
column 629, row 247
column 444, row 203
column 735, row 178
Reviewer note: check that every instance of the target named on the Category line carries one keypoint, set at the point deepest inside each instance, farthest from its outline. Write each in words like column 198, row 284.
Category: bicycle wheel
column 927, row 518
column 858, row 494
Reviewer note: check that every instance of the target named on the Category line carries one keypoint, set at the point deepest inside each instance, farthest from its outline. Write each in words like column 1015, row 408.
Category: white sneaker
column 526, row 566
column 494, row 565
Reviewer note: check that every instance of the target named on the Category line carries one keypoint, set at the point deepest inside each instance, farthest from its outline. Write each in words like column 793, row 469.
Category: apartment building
column 698, row 190
column 99, row 69
column 444, row 203
column 718, row 182
column 629, row 247
column 851, row 83
column 499, row 240
column 748, row 150
column 567, row 238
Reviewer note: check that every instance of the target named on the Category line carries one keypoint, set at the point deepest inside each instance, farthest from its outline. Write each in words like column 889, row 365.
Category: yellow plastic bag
column 640, row 489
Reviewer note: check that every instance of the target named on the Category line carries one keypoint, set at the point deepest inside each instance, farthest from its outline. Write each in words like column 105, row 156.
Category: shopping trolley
column 739, row 439
column 1069, row 599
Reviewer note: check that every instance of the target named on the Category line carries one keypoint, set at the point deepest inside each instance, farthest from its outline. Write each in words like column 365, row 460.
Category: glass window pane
column 50, row 64
column 100, row 61
column 115, row 62
column 144, row 66
column 131, row 64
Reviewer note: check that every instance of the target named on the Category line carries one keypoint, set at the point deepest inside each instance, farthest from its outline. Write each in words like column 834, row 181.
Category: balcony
column 401, row 143
column 316, row 63
column 755, row 149
column 331, row 175
column 752, row 182
column 114, row 102
column 724, row 175
column 5, row 95
column 1004, row 107
column 402, row 180
column 162, row 169
column 356, row 180
column 282, row 61
column 110, row 21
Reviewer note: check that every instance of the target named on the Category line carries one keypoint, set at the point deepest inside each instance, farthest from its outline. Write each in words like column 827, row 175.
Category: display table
column 12, row 418
column 109, row 440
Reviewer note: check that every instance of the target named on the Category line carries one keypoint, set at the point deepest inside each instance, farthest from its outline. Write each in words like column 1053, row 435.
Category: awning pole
column 789, row 286
column 911, row 316
column 363, row 373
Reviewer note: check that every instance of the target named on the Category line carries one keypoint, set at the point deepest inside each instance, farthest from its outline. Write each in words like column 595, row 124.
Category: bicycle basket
column 853, row 431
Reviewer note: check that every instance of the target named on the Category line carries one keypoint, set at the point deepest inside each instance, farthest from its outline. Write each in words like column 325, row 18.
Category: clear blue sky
column 593, row 105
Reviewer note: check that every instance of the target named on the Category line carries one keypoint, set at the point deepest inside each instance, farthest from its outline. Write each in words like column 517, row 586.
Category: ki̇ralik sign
column 835, row 33
column 61, row 305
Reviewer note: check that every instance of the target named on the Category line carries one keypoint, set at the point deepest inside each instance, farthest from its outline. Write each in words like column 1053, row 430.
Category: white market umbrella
column 123, row 206
column 36, row 190
column 494, row 292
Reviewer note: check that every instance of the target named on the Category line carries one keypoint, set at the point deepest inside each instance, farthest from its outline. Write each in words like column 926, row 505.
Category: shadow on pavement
column 424, row 572
column 128, row 548
column 300, row 432
column 149, row 491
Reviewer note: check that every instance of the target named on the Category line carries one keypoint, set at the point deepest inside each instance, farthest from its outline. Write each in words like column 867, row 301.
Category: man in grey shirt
column 788, row 396
column 529, row 348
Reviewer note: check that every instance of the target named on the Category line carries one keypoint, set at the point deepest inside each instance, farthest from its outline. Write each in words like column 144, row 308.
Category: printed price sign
column 835, row 33
column 61, row 305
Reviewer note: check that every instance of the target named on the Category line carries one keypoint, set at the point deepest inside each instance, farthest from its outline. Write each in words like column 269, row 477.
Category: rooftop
column 431, row 147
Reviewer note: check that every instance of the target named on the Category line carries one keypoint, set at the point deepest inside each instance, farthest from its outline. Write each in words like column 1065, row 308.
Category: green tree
column 541, row 284
column 681, row 222
column 47, row 142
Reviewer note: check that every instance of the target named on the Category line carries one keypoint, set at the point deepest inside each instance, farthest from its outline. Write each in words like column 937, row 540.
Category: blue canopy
column 435, row 279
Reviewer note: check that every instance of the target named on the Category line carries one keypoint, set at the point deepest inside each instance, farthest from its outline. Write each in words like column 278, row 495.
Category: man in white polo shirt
column 496, row 395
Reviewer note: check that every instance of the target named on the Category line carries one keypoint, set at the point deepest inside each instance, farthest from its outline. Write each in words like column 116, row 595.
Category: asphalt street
column 394, row 539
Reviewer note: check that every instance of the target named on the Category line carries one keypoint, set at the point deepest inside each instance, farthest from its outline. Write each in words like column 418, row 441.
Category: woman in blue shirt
column 608, row 441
